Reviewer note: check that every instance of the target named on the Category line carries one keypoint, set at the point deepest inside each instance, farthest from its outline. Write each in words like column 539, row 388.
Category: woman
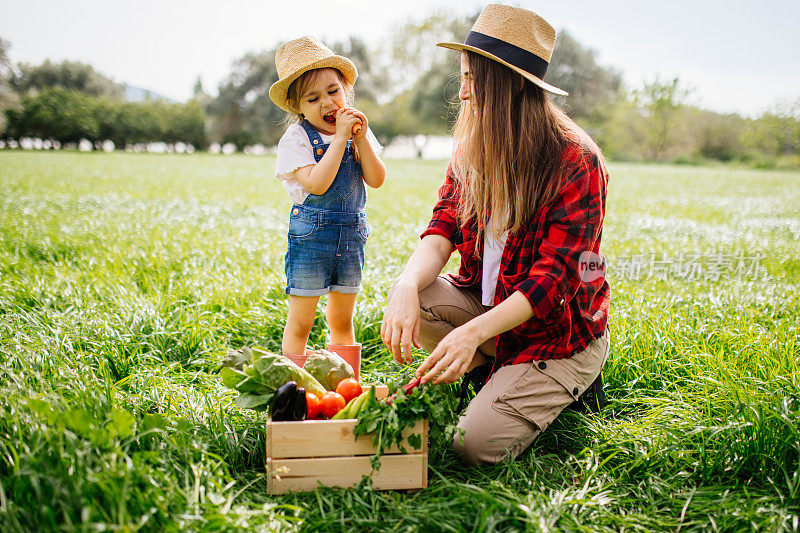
column 523, row 202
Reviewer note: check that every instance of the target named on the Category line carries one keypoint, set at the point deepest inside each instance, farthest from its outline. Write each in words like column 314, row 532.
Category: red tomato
column 331, row 403
column 312, row 406
column 349, row 388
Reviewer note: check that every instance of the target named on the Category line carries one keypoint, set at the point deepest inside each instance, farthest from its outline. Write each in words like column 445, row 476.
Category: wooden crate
column 301, row 455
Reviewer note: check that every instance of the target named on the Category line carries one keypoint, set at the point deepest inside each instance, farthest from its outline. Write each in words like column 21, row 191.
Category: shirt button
column 542, row 365
column 319, row 151
column 295, row 211
column 316, row 141
column 575, row 391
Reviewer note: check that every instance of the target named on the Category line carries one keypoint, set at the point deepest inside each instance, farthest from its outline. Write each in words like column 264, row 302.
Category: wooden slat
column 407, row 471
column 425, row 453
column 327, row 438
column 268, row 435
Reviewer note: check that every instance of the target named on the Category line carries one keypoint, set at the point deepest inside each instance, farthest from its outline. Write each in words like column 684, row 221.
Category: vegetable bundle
column 386, row 419
column 257, row 374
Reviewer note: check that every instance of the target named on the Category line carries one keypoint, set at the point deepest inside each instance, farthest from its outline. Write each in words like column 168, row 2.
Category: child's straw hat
column 515, row 37
column 293, row 58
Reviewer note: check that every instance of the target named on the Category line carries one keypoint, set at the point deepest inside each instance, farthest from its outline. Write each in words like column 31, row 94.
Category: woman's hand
column 452, row 356
column 400, row 326
column 455, row 352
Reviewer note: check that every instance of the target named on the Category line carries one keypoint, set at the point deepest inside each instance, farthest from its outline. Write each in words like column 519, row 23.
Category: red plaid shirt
column 542, row 262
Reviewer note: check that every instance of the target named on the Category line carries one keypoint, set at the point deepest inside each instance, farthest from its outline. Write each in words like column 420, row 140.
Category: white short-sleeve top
column 294, row 151
column 492, row 256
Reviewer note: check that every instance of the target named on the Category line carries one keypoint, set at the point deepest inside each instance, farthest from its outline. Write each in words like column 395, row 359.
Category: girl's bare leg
column 340, row 317
column 299, row 323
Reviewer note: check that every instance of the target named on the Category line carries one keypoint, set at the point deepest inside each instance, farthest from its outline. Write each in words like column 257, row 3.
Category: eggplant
column 289, row 403
column 283, row 402
column 300, row 406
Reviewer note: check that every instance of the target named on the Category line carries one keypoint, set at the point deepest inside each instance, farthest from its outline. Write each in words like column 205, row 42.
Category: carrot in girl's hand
column 356, row 127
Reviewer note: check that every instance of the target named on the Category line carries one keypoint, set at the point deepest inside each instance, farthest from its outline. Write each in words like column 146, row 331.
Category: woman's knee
column 444, row 301
column 488, row 434
column 431, row 295
column 471, row 450
column 475, row 449
column 474, row 445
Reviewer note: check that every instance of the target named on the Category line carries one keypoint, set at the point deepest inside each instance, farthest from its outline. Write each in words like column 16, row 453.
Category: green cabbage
column 257, row 374
column 274, row 370
column 328, row 368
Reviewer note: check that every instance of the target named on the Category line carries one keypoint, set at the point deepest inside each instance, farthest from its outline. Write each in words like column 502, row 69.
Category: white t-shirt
column 294, row 151
column 492, row 254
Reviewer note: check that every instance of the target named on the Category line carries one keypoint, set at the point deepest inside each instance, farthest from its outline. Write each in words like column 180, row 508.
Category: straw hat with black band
column 515, row 37
column 295, row 57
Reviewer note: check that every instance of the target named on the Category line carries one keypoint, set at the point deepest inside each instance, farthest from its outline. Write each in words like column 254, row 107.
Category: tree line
column 70, row 101
column 67, row 115
column 406, row 88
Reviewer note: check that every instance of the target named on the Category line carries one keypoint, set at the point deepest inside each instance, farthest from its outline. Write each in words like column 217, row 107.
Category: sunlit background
column 649, row 80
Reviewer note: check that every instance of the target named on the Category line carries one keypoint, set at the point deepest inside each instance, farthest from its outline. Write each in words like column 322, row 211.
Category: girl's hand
column 400, row 326
column 451, row 358
column 345, row 120
column 362, row 133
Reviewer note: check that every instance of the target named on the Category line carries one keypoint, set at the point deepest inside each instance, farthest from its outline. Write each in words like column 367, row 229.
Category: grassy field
column 122, row 278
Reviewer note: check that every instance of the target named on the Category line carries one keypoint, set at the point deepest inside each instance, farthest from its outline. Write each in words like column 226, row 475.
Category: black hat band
column 511, row 54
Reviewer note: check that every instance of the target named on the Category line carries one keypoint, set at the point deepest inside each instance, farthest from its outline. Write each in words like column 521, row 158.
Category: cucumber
column 362, row 400
column 356, row 405
column 345, row 412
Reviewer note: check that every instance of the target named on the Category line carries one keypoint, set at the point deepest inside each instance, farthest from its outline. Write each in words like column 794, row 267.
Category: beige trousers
column 519, row 401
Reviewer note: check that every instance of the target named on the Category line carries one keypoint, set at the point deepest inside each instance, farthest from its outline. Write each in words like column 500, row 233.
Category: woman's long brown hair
column 509, row 140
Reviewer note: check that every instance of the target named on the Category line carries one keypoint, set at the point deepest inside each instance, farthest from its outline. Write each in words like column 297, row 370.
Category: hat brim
column 525, row 74
column 278, row 91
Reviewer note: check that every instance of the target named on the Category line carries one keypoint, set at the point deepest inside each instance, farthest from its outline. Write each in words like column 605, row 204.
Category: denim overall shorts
column 327, row 232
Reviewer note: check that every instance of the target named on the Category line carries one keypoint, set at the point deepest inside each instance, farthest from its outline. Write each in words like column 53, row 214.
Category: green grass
column 123, row 276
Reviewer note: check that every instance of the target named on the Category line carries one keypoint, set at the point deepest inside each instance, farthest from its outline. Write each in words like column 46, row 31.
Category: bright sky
column 738, row 55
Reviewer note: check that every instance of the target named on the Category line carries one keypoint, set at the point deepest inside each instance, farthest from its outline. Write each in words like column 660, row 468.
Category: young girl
column 324, row 159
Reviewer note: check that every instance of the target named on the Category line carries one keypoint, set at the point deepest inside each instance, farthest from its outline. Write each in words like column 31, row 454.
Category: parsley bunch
column 386, row 420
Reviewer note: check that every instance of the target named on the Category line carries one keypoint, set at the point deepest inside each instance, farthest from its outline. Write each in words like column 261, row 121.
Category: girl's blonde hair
column 509, row 140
